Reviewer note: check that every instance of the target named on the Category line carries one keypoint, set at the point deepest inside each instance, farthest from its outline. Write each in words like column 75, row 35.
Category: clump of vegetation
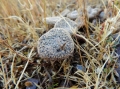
column 21, row 25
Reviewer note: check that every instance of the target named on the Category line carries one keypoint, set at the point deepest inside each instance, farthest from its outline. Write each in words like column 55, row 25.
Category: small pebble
column 31, row 83
column 51, row 20
column 73, row 14
column 65, row 12
column 91, row 12
column 80, row 67
column 102, row 16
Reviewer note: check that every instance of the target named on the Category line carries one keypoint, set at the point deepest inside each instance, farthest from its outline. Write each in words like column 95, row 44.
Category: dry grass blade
column 12, row 69
column 29, row 58
column 21, row 25
column 3, row 73
column 101, row 69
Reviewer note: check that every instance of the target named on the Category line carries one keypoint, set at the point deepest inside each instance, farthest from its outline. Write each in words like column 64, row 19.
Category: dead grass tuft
column 21, row 24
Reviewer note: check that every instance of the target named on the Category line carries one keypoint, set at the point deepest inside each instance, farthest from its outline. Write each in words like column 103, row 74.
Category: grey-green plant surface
column 28, row 38
column 55, row 44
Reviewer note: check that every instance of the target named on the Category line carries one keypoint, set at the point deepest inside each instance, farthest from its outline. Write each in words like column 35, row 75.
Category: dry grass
column 20, row 27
